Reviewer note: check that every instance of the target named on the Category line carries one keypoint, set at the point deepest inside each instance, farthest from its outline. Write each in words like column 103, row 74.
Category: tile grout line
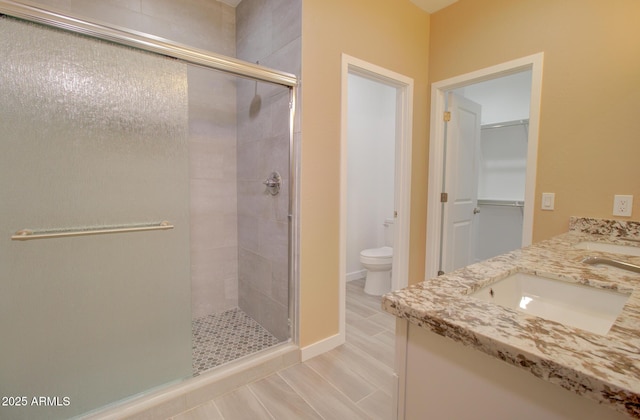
column 354, row 373
column 336, row 388
column 301, row 396
column 259, row 400
column 218, row 409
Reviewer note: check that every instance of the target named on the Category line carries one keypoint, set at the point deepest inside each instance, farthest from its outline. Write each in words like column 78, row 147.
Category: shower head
column 256, row 102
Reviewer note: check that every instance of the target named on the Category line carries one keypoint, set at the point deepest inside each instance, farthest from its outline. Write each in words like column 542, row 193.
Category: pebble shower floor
column 227, row 336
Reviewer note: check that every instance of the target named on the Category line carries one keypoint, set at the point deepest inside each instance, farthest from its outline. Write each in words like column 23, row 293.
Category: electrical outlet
column 622, row 205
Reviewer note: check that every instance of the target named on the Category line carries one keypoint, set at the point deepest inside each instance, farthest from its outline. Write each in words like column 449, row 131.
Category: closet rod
column 501, row 203
column 505, row 124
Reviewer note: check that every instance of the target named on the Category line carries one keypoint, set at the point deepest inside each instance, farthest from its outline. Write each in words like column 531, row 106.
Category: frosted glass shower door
column 92, row 135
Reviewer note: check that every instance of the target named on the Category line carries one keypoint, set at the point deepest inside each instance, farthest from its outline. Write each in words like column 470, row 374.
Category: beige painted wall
column 389, row 33
column 589, row 145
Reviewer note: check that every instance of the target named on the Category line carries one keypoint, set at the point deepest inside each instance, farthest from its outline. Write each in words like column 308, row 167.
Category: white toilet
column 378, row 261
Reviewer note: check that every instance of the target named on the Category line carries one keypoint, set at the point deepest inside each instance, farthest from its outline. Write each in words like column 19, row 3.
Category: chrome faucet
column 614, row 263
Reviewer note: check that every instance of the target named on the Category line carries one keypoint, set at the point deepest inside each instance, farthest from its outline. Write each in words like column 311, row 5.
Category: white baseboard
column 356, row 275
column 322, row 346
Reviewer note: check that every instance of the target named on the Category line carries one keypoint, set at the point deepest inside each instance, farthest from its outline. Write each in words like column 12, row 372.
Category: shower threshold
column 225, row 337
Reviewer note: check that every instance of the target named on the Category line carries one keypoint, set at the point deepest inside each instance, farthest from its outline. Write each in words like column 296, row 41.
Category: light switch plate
column 548, row 201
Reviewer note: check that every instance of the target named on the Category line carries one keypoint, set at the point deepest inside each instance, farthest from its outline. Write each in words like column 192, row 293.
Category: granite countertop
column 605, row 368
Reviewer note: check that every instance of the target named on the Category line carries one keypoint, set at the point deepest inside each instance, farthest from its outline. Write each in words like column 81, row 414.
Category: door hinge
column 447, row 116
column 444, row 197
column 395, row 214
column 440, row 272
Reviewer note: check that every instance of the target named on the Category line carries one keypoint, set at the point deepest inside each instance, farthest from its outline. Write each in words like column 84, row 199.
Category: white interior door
column 460, row 183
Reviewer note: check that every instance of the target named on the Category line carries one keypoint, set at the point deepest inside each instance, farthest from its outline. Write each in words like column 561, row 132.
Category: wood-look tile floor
column 353, row 381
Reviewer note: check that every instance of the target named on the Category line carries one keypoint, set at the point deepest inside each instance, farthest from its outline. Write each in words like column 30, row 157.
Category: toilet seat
column 384, row 251
column 382, row 255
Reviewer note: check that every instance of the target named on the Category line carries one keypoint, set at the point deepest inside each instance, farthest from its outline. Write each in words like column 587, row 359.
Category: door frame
column 436, row 148
column 402, row 182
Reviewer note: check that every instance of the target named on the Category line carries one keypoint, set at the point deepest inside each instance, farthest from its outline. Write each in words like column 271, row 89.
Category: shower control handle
column 273, row 183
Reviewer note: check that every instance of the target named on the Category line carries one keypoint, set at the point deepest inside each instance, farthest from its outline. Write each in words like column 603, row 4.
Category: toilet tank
column 388, row 232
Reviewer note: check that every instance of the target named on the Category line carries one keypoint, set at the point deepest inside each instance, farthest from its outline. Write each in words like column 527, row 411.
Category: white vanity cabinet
column 439, row 378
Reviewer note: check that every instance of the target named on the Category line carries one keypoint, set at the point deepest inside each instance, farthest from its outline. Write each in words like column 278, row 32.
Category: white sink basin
column 576, row 305
column 612, row 248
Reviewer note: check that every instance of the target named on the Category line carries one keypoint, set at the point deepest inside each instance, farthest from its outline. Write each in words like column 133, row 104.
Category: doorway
column 449, row 248
column 399, row 168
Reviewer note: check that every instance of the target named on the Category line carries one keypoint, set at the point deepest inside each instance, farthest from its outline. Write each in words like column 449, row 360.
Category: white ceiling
column 432, row 6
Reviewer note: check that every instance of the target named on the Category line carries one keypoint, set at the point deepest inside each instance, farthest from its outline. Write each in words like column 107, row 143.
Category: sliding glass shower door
column 93, row 137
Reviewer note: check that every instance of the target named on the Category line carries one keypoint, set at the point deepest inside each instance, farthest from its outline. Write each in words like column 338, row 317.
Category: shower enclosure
column 140, row 244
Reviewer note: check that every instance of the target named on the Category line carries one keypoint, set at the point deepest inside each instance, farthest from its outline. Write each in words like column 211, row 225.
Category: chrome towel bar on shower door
column 27, row 234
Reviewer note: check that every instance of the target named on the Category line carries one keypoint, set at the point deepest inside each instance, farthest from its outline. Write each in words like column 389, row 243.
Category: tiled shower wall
column 212, row 148
column 268, row 31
